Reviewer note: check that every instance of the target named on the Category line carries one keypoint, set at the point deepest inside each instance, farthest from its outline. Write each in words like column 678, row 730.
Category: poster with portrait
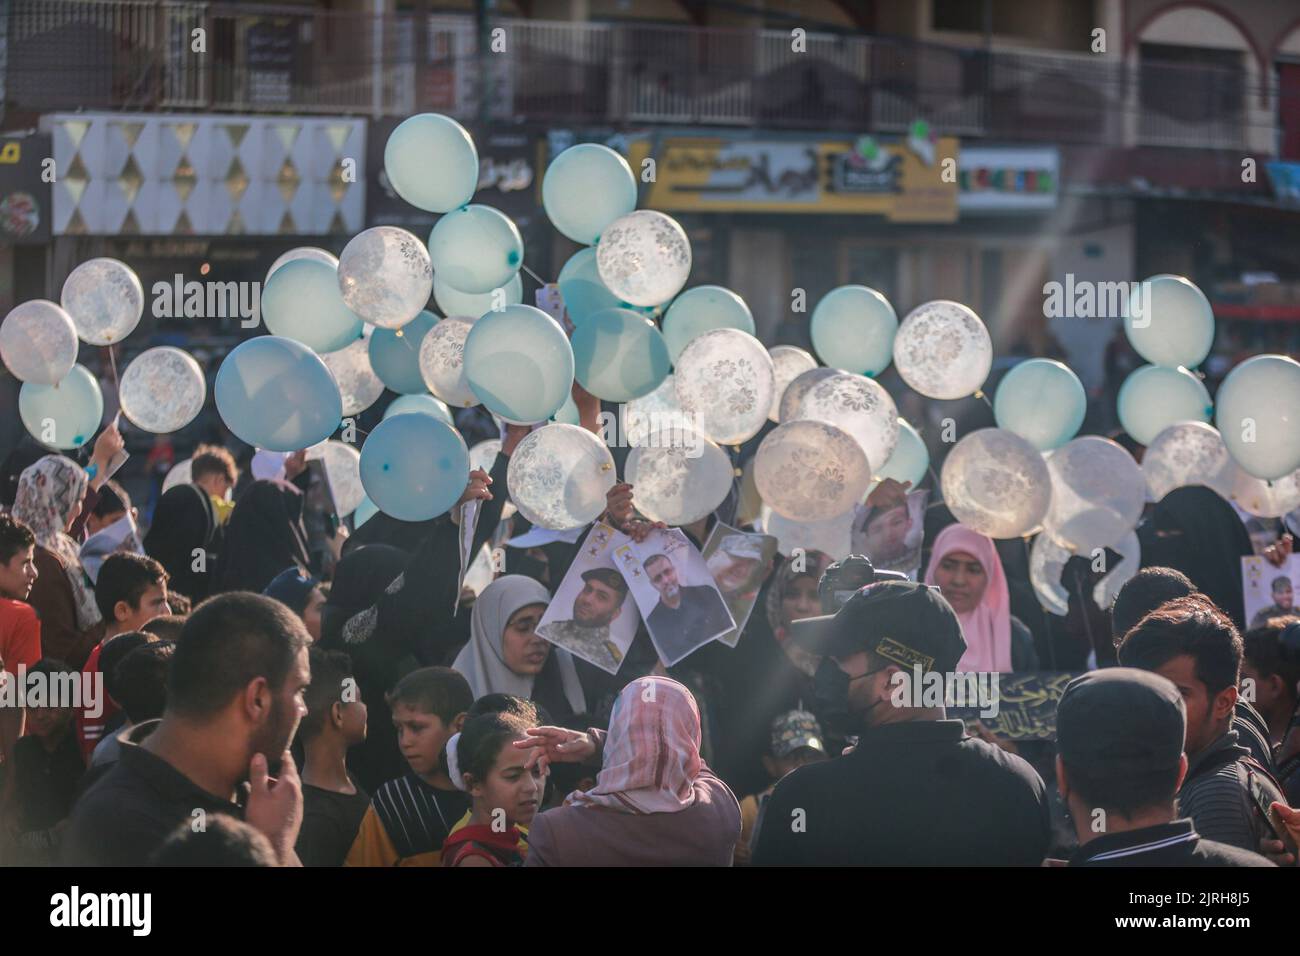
column 1269, row 590
column 891, row 537
column 739, row 563
column 590, row 615
column 675, row 593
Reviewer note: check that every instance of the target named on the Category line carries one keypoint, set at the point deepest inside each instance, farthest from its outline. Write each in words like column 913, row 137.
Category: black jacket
column 1170, row 844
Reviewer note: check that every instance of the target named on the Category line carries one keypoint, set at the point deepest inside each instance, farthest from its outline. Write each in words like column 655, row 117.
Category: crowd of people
column 267, row 703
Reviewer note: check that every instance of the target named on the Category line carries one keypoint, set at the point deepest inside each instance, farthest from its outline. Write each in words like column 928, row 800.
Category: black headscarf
column 263, row 537
column 1195, row 531
column 382, row 529
column 183, row 520
column 359, row 581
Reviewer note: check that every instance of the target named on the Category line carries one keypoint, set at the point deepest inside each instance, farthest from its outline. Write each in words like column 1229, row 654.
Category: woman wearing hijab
column 1195, row 531
column 184, row 521
column 264, row 536
column 505, row 656
column 965, row 566
column 49, row 501
column 655, row 802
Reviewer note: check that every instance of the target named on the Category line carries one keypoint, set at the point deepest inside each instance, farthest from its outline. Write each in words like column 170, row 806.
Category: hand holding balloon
column 622, row 514
column 107, row 446
column 477, row 488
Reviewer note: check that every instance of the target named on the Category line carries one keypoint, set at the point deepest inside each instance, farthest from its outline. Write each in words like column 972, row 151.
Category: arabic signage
column 24, row 195
column 899, row 180
column 1026, row 705
column 1008, row 180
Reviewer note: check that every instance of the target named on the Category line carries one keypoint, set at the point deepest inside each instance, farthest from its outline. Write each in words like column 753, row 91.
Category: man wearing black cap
column 1119, row 736
column 915, row 791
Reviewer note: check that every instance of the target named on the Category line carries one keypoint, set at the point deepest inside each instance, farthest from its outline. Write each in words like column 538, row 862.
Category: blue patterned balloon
column 395, row 354
column 419, row 405
column 277, row 394
column 519, row 364
column 1154, row 397
column 414, row 467
column 853, row 329
column 431, row 161
column 581, row 288
column 1042, row 401
column 586, row 188
column 703, row 309
column 619, row 355
column 473, row 304
column 65, row 415
column 301, row 301
column 476, row 249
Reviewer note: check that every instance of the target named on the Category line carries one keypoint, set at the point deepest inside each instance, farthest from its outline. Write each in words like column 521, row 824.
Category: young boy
column 410, row 817
column 47, row 767
column 20, row 632
column 130, row 592
column 332, row 803
column 796, row 740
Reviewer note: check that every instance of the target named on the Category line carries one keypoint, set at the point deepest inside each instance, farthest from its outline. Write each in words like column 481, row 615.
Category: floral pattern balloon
column 943, row 350
column 162, row 390
column 725, row 384
column 996, row 483
column 811, row 471
column 442, row 361
column 359, row 386
column 559, row 476
column 105, row 300
column 682, row 483
column 644, row 258
column 385, row 276
column 861, row 407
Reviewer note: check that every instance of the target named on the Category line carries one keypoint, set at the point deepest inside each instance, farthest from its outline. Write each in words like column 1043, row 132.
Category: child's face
column 47, row 722
column 18, row 574
column 153, row 603
column 510, row 787
column 421, row 736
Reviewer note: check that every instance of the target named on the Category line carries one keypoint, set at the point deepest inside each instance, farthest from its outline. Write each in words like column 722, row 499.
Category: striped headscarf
column 652, row 752
column 47, row 492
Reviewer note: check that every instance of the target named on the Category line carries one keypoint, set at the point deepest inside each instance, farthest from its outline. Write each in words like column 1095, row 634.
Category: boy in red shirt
column 20, row 632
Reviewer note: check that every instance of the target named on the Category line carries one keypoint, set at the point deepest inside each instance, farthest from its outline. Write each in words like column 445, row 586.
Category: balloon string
column 984, row 398
column 112, row 361
column 540, row 280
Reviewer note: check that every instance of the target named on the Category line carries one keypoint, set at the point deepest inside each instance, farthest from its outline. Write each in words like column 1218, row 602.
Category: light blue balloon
column 64, row 415
column 568, row 413
column 853, row 328
column 473, row 304
column 1170, row 322
column 414, row 467
column 277, row 394
column 1154, row 397
column 395, row 354
column 581, row 288
column 476, row 249
column 419, row 405
column 519, row 364
column 585, row 189
column 1042, row 401
column 910, row 459
column 364, row 512
column 1259, row 415
column 431, row 162
column 619, row 355
column 301, row 301
column 703, row 309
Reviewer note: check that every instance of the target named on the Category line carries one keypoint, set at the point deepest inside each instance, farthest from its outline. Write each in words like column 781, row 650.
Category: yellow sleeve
column 372, row 847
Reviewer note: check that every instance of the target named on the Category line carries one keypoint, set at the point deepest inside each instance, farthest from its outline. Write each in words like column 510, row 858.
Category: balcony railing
column 182, row 55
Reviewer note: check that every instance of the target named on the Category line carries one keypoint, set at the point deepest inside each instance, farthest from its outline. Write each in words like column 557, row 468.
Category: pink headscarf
column 987, row 628
column 652, row 753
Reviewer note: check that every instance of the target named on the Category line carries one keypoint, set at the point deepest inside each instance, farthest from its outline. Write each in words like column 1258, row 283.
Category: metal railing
column 185, row 55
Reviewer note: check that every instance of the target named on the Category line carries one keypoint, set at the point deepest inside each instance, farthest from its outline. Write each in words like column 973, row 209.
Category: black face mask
column 830, row 703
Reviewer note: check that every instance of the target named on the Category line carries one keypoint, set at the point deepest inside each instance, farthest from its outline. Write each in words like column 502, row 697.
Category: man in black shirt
column 234, row 699
column 1119, row 733
column 915, row 791
column 686, row 617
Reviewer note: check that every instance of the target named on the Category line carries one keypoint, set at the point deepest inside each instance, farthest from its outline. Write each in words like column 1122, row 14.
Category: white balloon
column 725, row 383
column 810, row 470
column 442, row 361
column 644, row 258
column 861, row 407
column 654, row 418
column 357, row 381
column 38, row 342
column 385, row 276
column 680, row 484
column 1258, row 414
column 343, row 470
column 788, row 363
column 1266, row 499
column 833, row 536
column 559, row 476
column 1046, row 562
column 1187, row 453
column 105, row 300
column 178, row 475
column 162, row 390
column 313, row 253
column 1098, row 492
column 996, row 483
column 799, row 386
column 943, row 350
column 1107, row 589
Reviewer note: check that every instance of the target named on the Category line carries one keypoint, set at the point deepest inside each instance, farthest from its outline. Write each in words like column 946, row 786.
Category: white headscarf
column 47, row 492
column 482, row 660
